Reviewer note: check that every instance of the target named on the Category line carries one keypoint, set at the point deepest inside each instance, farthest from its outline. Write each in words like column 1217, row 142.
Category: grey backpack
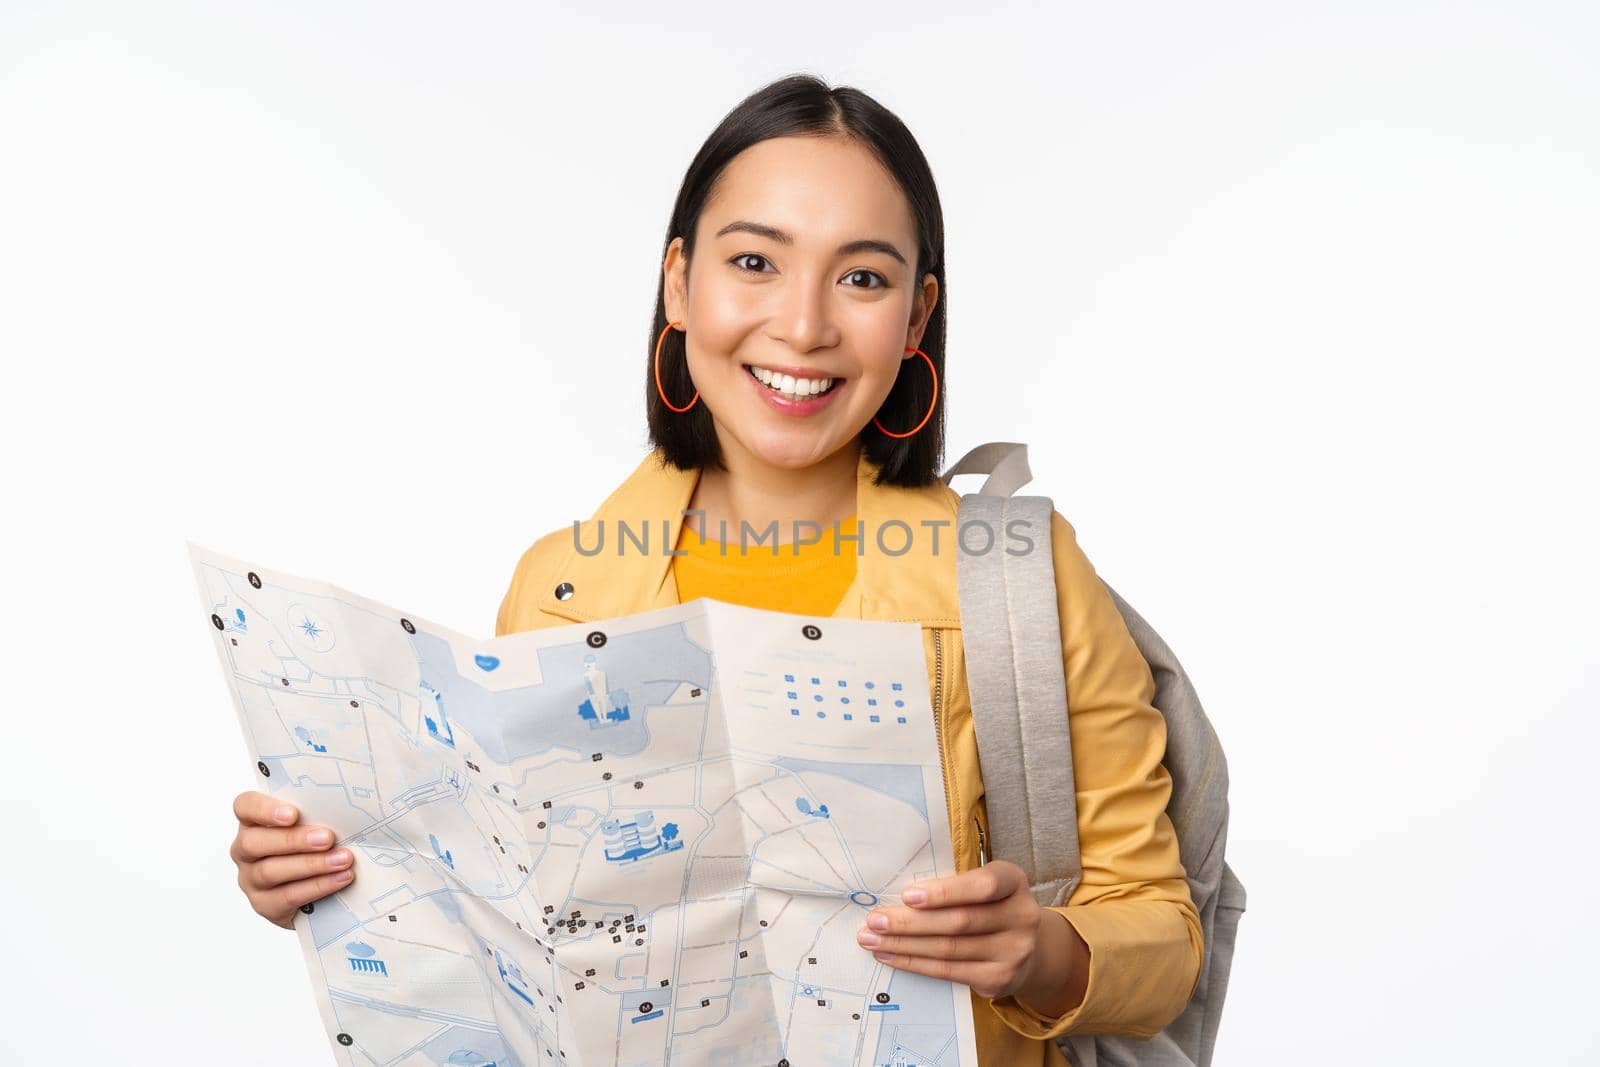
column 1012, row 636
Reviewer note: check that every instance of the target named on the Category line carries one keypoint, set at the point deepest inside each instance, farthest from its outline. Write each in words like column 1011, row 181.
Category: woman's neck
column 760, row 494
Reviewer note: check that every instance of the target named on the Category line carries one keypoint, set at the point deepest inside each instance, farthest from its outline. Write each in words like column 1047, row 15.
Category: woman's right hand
column 283, row 866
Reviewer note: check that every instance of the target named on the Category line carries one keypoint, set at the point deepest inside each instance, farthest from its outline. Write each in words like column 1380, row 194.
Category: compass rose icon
column 308, row 628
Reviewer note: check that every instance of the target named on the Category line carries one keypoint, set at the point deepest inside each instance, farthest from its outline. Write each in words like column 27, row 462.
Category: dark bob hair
column 804, row 105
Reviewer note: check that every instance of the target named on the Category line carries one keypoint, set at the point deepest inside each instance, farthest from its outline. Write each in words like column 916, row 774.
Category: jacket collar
column 916, row 585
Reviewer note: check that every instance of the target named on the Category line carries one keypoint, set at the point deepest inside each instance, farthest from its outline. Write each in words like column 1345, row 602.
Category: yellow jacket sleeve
column 1132, row 907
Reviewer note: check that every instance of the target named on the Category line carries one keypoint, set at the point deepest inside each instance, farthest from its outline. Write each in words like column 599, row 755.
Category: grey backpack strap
column 1005, row 462
column 1011, row 636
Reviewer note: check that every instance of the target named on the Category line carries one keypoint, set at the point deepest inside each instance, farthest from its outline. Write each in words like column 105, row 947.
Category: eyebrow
column 849, row 248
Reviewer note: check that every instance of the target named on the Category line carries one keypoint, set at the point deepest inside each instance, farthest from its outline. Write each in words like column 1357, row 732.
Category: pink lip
column 808, row 406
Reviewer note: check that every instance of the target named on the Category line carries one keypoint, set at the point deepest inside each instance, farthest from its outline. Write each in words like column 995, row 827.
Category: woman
column 793, row 380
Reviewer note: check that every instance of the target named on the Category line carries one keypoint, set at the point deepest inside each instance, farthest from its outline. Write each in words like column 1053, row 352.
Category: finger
column 992, row 881
column 991, row 947
column 286, row 898
column 252, row 843
column 984, row 979
column 275, row 871
column 957, row 919
column 263, row 809
column 975, row 973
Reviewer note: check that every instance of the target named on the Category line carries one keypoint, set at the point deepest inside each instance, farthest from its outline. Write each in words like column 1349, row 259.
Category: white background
column 1294, row 303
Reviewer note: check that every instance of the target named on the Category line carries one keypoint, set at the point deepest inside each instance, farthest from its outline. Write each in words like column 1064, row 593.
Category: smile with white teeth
column 791, row 386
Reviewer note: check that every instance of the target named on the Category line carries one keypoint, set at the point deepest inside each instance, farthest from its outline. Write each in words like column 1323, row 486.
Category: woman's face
column 804, row 265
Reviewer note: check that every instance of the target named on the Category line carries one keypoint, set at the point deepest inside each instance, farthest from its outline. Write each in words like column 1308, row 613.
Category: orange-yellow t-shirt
column 806, row 579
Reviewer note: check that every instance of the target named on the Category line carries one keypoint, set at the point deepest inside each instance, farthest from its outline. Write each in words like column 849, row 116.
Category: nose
column 803, row 318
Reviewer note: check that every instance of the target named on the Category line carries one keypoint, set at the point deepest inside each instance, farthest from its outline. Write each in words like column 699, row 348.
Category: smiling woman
column 806, row 243
column 793, row 379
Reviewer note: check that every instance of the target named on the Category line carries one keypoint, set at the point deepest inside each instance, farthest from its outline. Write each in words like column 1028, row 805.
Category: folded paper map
column 641, row 841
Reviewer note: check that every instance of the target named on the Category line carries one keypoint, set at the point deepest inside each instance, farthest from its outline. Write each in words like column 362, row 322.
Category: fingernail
column 284, row 814
column 318, row 838
column 868, row 938
column 344, row 875
column 881, row 957
column 914, row 896
column 338, row 857
column 878, row 921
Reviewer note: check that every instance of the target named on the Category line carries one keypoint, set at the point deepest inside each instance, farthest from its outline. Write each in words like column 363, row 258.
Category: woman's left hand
column 981, row 928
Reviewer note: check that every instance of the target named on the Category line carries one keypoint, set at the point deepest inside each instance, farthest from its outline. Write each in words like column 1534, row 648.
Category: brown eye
column 868, row 274
column 738, row 261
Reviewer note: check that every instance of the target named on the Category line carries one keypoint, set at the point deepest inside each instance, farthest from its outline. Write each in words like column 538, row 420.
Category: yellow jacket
column 1132, row 907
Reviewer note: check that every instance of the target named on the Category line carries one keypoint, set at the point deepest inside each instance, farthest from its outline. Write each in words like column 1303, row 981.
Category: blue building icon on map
column 438, row 725
column 364, row 959
column 601, row 707
column 629, row 840
column 441, row 852
column 306, row 739
column 512, row 976
column 803, row 806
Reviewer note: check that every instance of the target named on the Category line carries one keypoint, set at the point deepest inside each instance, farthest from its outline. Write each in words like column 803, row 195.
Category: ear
column 675, row 282
column 921, row 309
